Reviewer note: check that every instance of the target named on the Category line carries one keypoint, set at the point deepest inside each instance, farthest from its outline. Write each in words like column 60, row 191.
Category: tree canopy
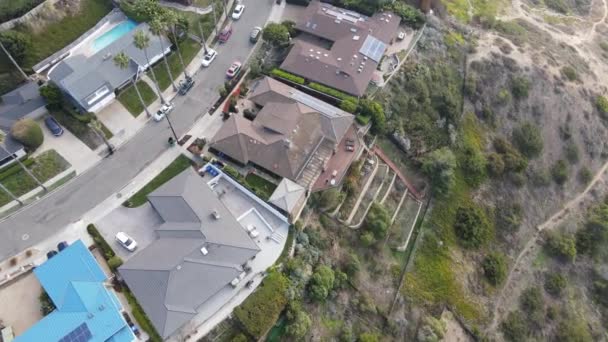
column 378, row 220
column 28, row 132
column 439, row 165
column 276, row 34
column 52, row 95
column 472, row 226
column 322, row 282
column 16, row 43
column 528, row 139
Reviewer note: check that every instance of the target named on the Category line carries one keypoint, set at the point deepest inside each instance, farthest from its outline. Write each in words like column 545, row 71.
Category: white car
column 164, row 110
column 209, row 57
column 126, row 241
column 238, row 11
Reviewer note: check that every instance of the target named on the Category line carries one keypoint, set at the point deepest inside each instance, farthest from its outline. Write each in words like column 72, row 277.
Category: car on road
column 126, row 241
column 185, row 85
column 234, row 69
column 209, row 57
column 225, row 34
column 238, row 11
column 53, row 126
column 163, row 111
column 255, row 34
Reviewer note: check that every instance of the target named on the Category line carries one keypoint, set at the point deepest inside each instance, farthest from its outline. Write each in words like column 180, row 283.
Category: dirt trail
column 549, row 224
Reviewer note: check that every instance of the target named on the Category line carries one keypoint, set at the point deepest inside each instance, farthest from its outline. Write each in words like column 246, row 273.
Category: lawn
column 177, row 166
column 189, row 49
column 128, row 97
column 11, row 9
column 201, row 3
column 80, row 129
column 46, row 166
column 264, row 187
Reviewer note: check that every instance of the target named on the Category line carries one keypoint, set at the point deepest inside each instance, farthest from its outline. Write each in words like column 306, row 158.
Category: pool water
column 112, row 35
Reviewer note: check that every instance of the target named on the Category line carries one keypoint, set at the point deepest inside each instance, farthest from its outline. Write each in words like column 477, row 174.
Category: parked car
column 185, row 85
column 238, row 11
column 126, row 241
column 164, row 110
column 225, row 34
column 255, row 34
column 209, row 57
column 234, row 69
column 51, row 254
column 62, row 245
column 53, row 126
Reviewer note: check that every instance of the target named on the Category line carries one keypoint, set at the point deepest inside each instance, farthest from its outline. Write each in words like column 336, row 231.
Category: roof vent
column 215, row 214
column 287, row 143
column 179, row 267
column 353, row 30
column 337, row 21
column 356, row 37
column 101, row 307
column 355, row 56
column 90, row 315
column 204, row 251
column 326, row 55
column 339, row 59
column 337, row 71
column 364, row 58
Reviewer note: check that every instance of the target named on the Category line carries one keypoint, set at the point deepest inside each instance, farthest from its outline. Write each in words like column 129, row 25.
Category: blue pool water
column 112, row 35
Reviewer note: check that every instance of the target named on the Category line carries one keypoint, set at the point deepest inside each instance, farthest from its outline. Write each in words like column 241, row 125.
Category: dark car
column 225, row 34
column 185, row 85
column 53, row 126
column 62, row 245
column 51, row 254
column 255, row 34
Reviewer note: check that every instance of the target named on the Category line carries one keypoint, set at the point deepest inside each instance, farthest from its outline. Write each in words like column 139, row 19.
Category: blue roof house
column 87, row 311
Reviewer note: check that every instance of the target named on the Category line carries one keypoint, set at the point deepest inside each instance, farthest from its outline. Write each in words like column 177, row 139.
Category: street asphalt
column 67, row 205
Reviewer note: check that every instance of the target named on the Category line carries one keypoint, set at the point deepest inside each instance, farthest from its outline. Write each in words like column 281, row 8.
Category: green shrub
column 378, row 220
column 286, row 75
column 555, row 283
column 508, row 217
column 561, row 246
column 601, row 102
column 520, row 87
column 474, row 164
column 331, row 91
column 114, row 262
column 410, row 15
column 260, row 310
column 559, row 172
column 584, row 175
column 141, row 317
column 532, row 303
column 28, row 132
column 107, row 251
column 557, row 5
column 349, row 105
column 52, row 95
column 514, row 327
column 322, row 283
column 495, row 268
column 571, row 152
column 528, row 139
column 495, row 164
column 569, row 73
column 362, row 119
column 440, row 165
column 513, row 160
column 472, row 226
column 15, row 168
column 46, row 304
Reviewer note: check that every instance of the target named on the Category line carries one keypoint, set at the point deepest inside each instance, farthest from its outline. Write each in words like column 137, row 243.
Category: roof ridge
column 214, row 263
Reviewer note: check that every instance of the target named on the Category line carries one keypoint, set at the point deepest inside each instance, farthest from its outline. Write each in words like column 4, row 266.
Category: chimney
column 215, row 214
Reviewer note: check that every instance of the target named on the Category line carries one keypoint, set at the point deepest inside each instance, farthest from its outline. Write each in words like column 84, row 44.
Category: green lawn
column 177, row 166
column 80, row 129
column 189, row 49
column 46, row 166
column 57, row 35
column 128, row 97
column 263, row 187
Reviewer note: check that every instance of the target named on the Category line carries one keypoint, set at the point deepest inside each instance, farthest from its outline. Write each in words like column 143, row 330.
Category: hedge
column 108, row 252
column 12, row 169
column 332, row 92
column 114, row 262
column 362, row 119
column 260, row 310
column 288, row 76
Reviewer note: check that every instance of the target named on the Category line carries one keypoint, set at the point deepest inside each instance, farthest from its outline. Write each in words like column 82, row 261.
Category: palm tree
column 122, row 61
column 142, row 41
column 203, row 41
column 13, row 61
column 171, row 19
column 95, row 125
column 157, row 27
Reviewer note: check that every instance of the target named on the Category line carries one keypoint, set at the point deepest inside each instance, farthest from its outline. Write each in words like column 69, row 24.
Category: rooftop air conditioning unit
column 204, row 251
column 216, row 215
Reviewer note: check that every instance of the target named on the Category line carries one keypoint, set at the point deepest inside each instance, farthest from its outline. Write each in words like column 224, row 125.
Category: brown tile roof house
column 358, row 44
column 286, row 134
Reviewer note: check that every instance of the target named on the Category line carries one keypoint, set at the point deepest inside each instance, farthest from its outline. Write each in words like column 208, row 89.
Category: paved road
column 67, row 205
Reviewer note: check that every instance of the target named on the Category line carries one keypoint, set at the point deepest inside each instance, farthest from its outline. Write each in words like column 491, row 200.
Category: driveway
column 119, row 121
column 79, row 155
column 68, row 204
column 139, row 223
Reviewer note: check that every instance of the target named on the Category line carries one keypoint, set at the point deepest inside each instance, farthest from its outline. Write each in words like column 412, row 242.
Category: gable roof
column 171, row 277
column 83, row 76
column 358, row 43
column 75, row 283
column 287, row 195
column 286, row 131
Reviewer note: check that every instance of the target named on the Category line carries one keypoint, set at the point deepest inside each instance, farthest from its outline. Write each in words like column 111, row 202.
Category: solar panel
column 80, row 334
column 373, row 48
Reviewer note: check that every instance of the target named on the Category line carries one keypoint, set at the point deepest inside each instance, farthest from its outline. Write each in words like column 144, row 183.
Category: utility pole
column 23, row 167
column 171, row 126
column 214, row 19
column 200, row 30
column 225, row 9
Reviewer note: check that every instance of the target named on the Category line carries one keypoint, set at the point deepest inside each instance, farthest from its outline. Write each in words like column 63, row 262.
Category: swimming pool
column 112, row 35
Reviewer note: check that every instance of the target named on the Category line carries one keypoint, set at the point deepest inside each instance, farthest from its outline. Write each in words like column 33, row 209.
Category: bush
column 561, row 246
column 472, row 226
column 508, row 217
column 584, row 175
column 46, row 304
column 352, row 265
column 140, row 316
column 572, row 329
column 569, row 73
column 375, row 111
column 367, row 239
column 532, row 303
column 28, row 132
column 410, row 16
column 114, row 262
column 571, row 152
column 495, row 164
column 286, row 75
column 439, row 165
column 594, row 234
column 378, row 220
column 528, row 139
column 514, row 327
column 331, row 91
column 330, row 199
column 474, row 165
column 276, row 34
column 362, row 119
column 321, row 283
column 559, row 172
column 495, row 268
column 555, row 283
column 52, row 95
column 260, row 310
column 298, row 321
column 520, row 87
column 601, row 103
column 349, row 105
column 16, row 43
column 513, row 160
column 107, row 251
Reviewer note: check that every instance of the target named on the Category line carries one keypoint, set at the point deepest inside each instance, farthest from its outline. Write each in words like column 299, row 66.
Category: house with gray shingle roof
column 200, row 249
column 291, row 133
column 91, row 82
